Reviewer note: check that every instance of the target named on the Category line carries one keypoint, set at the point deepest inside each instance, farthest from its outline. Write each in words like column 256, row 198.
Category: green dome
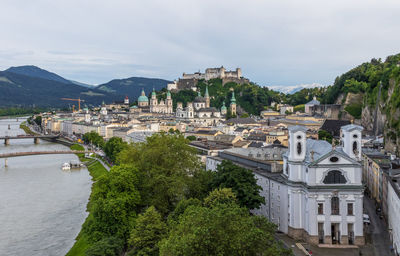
column 143, row 98
column 223, row 106
column 134, row 106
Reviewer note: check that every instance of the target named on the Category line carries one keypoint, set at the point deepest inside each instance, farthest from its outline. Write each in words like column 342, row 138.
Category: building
column 310, row 104
column 212, row 73
column 233, row 104
column 318, row 195
column 394, row 213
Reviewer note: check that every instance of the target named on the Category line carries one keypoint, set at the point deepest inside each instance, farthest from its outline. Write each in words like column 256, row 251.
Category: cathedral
column 200, row 108
column 153, row 105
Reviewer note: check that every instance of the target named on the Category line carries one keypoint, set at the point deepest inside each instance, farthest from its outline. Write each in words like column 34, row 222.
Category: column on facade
column 344, row 238
column 327, row 213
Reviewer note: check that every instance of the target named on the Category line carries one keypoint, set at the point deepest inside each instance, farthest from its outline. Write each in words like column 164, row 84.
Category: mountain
column 294, row 88
column 34, row 71
column 132, row 87
column 22, row 90
column 82, row 84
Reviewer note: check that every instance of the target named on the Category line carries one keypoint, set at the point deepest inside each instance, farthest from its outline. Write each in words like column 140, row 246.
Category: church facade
column 318, row 196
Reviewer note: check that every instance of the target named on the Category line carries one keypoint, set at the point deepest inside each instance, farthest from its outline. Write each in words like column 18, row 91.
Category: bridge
column 34, row 137
column 33, row 153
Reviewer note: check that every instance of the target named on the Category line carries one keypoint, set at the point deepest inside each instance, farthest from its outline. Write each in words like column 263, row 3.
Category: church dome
column 143, row 98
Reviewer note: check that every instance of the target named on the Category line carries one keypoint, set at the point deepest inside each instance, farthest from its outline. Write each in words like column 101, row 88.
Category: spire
column 143, row 93
column 154, row 92
column 168, row 93
column 233, row 100
column 198, row 93
column 206, row 94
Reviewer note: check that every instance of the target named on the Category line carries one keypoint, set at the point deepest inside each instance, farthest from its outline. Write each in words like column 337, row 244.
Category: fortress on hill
column 189, row 81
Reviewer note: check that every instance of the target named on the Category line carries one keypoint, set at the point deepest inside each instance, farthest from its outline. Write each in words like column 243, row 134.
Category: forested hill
column 358, row 89
column 251, row 97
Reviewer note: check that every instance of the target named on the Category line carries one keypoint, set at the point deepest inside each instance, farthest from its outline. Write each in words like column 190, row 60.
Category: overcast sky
column 274, row 42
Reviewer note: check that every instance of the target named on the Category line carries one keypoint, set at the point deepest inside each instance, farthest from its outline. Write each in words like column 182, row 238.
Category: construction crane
column 78, row 100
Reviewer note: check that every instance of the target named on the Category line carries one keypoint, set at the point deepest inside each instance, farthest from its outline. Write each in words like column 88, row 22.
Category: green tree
column 167, row 165
column 149, row 230
column 191, row 137
column 93, row 138
column 244, row 115
column 220, row 196
column 114, row 204
column 241, row 181
column 38, row 120
column 324, row 135
column 223, row 229
column 113, row 147
column 109, row 246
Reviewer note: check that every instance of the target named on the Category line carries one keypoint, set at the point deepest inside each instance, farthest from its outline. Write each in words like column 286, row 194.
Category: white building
column 393, row 202
column 319, row 195
column 310, row 104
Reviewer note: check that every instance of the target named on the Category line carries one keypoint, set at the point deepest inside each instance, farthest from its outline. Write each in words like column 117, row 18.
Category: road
column 377, row 230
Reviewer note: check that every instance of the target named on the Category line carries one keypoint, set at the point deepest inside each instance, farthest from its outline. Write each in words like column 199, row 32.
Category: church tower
column 223, row 109
column 169, row 102
column 351, row 140
column 207, row 97
column 153, row 100
column 233, row 104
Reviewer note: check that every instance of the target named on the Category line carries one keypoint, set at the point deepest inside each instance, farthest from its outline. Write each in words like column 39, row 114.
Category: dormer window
column 299, row 137
column 355, row 136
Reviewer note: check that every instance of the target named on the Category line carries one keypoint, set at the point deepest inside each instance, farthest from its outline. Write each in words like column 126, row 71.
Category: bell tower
column 297, row 143
column 351, row 140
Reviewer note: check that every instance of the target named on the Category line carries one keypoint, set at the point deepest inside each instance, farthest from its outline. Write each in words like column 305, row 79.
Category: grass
column 96, row 170
column 26, row 128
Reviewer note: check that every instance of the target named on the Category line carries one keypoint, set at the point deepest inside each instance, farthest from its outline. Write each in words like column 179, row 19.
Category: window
column 298, row 148
column 334, row 177
column 355, row 147
column 320, row 208
column 335, row 205
column 350, row 209
column 334, row 159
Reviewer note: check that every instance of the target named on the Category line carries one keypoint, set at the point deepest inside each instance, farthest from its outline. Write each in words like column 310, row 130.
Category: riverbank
column 96, row 170
column 26, row 129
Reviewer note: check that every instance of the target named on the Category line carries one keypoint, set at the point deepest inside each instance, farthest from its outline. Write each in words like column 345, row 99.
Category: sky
column 275, row 43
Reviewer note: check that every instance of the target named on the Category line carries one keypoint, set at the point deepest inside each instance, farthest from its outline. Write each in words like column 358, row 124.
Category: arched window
column 298, row 148
column 355, row 147
column 335, row 205
column 334, row 177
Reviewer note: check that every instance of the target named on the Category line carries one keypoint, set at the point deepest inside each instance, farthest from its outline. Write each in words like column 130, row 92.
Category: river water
column 42, row 207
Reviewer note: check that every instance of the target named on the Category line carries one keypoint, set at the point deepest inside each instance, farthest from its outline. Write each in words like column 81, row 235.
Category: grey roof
column 296, row 128
column 246, row 120
column 319, row 147
column 351, row 127
column 211, row 109
column 199, row 99
column 313, row 102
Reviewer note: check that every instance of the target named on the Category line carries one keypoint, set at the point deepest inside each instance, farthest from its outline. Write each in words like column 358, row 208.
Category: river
column 42, row 207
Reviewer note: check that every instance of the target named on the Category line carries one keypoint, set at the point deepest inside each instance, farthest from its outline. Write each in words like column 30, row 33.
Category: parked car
column 366, row 219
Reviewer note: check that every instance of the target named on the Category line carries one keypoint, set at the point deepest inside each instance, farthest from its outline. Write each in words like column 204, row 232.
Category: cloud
column 284, row 42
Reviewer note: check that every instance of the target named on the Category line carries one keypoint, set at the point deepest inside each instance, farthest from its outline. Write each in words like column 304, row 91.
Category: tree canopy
column 241, row 181
column 223, row 228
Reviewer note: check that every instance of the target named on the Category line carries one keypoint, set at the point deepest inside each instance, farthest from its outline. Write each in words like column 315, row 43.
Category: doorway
column 335, row 233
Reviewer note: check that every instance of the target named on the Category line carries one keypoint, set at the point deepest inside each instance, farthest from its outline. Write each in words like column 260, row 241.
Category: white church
column 319, row 195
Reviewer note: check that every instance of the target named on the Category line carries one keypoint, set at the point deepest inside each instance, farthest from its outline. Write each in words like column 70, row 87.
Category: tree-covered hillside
column 250, row 97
